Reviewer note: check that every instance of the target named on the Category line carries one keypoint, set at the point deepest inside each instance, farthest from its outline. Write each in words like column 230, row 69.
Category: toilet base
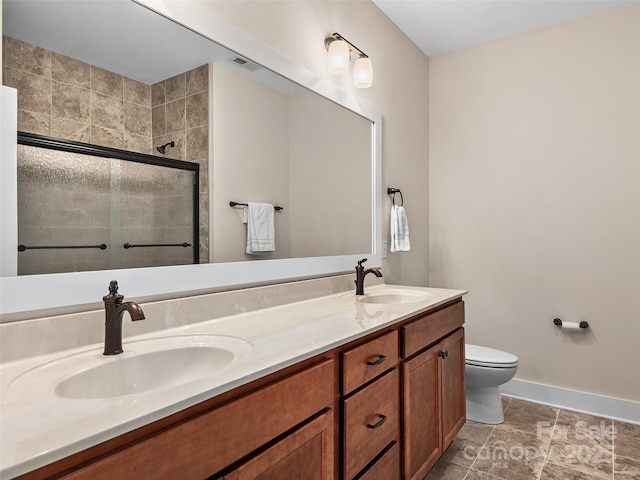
column 484, row 405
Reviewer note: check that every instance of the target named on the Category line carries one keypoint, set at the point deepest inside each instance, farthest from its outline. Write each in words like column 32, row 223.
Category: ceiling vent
column 246, row 64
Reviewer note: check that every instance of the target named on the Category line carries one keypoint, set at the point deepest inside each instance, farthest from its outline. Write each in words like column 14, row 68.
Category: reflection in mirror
column 84, row 208
column 116, row 74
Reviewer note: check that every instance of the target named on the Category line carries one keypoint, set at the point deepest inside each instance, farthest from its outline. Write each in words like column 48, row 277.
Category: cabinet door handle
column 442, row 354
column 381, row 358
column 379, row 423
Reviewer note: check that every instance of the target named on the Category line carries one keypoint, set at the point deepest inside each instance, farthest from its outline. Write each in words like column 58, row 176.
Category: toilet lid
column 489, row 357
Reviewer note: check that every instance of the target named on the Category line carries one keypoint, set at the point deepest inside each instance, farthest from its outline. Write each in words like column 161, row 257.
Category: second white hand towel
column 399, row 230
column 261, row 236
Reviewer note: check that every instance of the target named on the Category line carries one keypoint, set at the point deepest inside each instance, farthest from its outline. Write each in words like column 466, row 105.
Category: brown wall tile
column 34, row 92
column 70, row 129
column 69, row 102
column 197, row 143
column 106, row 82
column 157, row 121
column 197, row 108
column 137, row 119
column 71, row 71
column 137, row 143
column 197, row 80
column 175, row 87
column 158, row 94
column 106, row 111
column 137, row 92
column 26, row 57
column 107, row 137
column 175, row 116
column 34, row 122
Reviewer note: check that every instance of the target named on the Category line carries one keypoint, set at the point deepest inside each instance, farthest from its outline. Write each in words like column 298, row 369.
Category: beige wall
column 535, row 197
column 330, row 197
column 297, row 30
column 250, row 131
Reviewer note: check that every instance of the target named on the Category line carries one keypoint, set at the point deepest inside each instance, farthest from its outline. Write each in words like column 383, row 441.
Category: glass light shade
column 338, row 57
column 363, row 73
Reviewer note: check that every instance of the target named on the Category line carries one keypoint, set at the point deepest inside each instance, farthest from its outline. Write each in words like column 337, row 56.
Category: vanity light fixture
column 339, row 51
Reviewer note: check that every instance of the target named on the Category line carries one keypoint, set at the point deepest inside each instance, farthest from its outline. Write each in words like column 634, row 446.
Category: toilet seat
column 489, row 357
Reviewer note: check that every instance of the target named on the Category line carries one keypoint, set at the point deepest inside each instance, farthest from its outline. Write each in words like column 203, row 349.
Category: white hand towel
column 399, row 230
column 261, row 236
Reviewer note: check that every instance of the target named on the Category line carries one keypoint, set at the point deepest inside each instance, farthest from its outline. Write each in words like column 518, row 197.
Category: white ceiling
column 441, row 26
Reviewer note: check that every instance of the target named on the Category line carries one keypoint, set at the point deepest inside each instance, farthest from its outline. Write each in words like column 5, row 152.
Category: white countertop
column 37, row 427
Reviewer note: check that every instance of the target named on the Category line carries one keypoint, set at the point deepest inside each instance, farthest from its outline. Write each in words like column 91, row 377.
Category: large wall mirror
column 148, row 78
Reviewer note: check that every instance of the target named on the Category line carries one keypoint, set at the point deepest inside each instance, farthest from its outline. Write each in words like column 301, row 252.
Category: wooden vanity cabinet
column 385, row 406
column 433, row 399
column 370, row 403
column 209, row 442
column 307, row 453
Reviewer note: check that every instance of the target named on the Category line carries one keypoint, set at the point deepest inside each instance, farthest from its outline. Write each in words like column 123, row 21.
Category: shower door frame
column 52, row 143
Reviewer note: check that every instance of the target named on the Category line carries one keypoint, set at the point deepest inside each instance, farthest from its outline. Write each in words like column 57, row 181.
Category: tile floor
column 537, row 442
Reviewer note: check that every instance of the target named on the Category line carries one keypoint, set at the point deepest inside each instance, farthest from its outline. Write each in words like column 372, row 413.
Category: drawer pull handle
column 444, row 354
column 381, row 358
column 379, row 423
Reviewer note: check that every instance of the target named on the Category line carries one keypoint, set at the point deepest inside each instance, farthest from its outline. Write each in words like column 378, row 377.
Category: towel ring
column 393, row 191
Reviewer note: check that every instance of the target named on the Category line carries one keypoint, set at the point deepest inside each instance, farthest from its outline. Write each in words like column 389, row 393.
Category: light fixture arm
column 336, row 36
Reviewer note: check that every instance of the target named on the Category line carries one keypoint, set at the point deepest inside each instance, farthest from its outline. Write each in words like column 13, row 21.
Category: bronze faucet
column 361, row 273
column 113, row 311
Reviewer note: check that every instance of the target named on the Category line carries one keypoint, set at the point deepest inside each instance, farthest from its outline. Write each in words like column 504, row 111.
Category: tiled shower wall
column 180, row 114
column 62, row 97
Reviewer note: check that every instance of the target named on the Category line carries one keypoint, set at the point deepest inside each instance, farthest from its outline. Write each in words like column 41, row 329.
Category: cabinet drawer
column 430, row 328
column 206, row 444
column 370, row 422
column 364, row 363
column 386, row 467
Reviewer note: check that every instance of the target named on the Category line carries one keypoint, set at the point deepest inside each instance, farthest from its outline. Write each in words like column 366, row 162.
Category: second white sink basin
column 146, row 365
column 393, row 297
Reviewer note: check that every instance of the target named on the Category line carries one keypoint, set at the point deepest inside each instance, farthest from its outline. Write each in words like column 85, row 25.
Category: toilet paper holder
column 582, row 324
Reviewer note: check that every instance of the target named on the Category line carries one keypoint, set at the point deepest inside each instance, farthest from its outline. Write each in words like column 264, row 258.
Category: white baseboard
column 614, row 408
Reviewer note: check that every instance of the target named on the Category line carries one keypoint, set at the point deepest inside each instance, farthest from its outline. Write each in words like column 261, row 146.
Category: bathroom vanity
column 333, row 387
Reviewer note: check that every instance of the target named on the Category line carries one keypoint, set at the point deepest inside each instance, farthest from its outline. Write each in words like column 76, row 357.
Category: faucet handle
column 113, row 288
column 361, row 262
column 113, row 292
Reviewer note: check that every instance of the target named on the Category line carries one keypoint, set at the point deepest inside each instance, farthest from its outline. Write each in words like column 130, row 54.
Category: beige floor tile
column 462, row 452
column 533, row 423
column 512, row 454
column 581, row 428
column 626, row 469
column 628, row 447
column 475, row 475
column 533, row 408
column 476, row 432
column 627, row 429
column 556, row 472
column 444, row 470
column 588, row 457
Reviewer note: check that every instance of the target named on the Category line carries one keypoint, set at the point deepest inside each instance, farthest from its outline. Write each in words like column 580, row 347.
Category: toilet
column 484, row 371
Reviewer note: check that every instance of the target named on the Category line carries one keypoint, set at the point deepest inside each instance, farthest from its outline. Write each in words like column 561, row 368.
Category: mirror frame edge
column 43, row 295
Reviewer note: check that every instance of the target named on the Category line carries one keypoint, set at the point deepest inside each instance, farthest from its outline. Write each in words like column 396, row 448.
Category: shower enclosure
column 84, row 207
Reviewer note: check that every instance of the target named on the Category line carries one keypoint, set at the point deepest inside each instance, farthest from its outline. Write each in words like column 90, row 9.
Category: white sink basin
column 393, row 297
column 146, row 365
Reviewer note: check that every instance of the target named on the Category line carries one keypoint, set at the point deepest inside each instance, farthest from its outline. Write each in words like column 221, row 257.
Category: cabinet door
column 422, row 439
column 452, row 390
column 306, row 453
